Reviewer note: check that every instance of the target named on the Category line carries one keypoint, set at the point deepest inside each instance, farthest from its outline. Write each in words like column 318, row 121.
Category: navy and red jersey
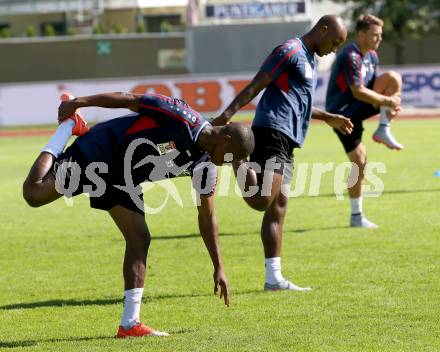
column 351, row 68
column 286, row 104
column 164, row 132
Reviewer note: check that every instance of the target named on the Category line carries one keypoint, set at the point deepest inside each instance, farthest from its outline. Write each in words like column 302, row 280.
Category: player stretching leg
column 281, row 122
column 357, row 91
column 182, row 141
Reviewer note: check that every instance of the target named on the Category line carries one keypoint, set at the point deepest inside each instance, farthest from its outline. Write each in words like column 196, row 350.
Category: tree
column 140, row 27
column 402, row 19
column 49, row 30
column 119, row 29
column 31, row 31
column 5, row 32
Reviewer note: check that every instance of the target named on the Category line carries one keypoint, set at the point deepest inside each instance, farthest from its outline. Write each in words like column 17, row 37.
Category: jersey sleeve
column 166, row 110
column 281, row 58
column 147, row 104
column 352, row 66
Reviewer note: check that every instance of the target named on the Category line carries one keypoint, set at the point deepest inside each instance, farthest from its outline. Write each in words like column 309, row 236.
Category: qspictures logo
column 72, row 179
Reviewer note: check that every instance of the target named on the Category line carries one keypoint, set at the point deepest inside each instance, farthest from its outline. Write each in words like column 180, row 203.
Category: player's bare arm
column 338, row 122
column 367, row 95
column 258, row 83
column 115, row 100
column 209, row 231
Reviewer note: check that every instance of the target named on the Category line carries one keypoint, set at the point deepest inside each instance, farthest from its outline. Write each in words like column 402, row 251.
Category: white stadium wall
column 36, row 103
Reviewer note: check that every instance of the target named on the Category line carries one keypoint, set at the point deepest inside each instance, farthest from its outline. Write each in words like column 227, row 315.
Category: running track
column 37, row 132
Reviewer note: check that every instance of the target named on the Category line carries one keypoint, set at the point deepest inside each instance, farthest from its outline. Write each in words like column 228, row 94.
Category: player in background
column 356, row 90
column 281, row 121
column 181, row 141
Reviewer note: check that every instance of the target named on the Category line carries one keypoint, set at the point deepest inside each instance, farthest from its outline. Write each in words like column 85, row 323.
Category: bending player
column 163, row 138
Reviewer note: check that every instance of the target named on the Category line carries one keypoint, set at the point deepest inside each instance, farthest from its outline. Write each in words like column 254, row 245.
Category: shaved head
column 242, row 139
column 333, row 22
column 327, row 35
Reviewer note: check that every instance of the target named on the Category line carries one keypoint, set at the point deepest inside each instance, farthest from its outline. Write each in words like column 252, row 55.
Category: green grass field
column 61, row 267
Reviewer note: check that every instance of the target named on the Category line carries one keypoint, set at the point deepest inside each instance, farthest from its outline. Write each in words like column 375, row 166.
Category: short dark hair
column 364, row 22
column 242, row 139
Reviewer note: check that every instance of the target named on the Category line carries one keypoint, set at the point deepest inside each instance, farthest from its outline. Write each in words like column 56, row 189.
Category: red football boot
column 139, row 330
column 80, row 123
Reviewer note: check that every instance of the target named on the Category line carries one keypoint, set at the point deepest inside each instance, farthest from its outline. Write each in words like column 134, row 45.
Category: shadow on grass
column 30, row 343
column 236, row 234
column 62, row 303
column 311, row 229
column 197, row 235
column 396, row 191
column 109, row 301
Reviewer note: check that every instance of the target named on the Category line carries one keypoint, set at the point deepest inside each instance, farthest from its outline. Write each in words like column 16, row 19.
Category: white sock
column 356, row 205
column 384, row 120
column 132, row 307
column 60, row 138
column 273, row 270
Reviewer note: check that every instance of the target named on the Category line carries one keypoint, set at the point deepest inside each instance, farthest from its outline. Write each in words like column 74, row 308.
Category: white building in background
column 234, row 11
column 153, row 15
column 251, row 11
column 82, row 16
column 34, row 17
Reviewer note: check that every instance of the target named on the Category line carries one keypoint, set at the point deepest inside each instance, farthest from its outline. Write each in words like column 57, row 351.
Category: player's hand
column 220, row 120
column 221, row 280
column 66, row 109
column 394, row 102
column 340, row 123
